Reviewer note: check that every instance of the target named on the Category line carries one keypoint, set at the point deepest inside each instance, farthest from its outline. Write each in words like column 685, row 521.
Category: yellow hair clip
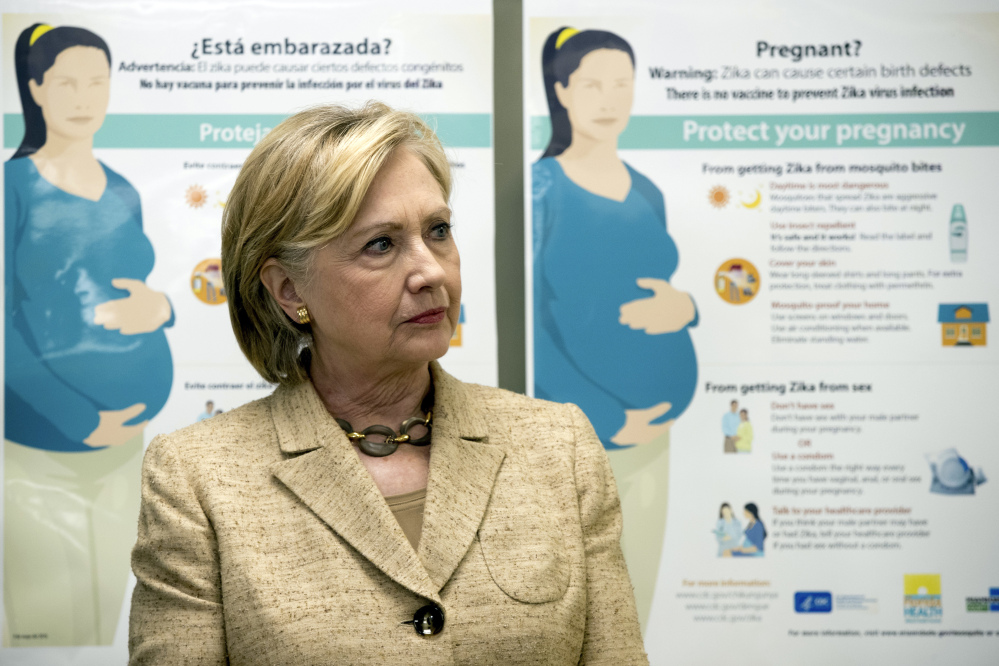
column 38, row 32
column 564, row 36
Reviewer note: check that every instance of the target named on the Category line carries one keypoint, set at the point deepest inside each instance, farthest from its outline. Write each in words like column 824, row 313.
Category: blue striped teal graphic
column 135, row 130
column 867, row 130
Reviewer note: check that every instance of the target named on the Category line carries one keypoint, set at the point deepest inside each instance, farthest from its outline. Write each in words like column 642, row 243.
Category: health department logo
column 922, row 598
column 989, row 604
column 856, row 602
column 813, row 602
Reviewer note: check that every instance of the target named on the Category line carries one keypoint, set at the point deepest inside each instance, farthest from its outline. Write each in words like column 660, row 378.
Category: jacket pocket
column 522, row 544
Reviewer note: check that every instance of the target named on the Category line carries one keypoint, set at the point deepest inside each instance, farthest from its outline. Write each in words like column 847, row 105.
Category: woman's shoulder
column 20, row 168
column 544, row 173
column 530, row 422
column 246, row 431
column 641, row 181
column 649, row 191
column 501, row 401
column 118, row 182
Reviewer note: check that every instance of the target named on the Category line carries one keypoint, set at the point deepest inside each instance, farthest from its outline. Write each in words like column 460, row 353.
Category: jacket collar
column 326, row 475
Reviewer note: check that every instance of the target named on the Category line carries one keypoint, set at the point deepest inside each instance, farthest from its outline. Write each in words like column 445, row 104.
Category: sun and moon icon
column 719, row 197
column 196, row 196
column 737, row 281
column 755, row 203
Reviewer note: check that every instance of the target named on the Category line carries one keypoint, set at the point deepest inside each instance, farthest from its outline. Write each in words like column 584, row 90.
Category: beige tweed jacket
column 263, row 540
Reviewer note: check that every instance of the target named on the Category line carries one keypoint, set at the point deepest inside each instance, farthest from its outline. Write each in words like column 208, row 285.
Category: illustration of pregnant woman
column 86, row 358
column 610, row 331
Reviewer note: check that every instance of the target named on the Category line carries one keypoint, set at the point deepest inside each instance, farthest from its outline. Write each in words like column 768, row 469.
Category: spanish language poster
column 760, row 259
column 173, row 98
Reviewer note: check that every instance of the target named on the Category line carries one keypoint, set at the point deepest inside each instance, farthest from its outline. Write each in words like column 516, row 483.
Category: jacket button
column 428, row 620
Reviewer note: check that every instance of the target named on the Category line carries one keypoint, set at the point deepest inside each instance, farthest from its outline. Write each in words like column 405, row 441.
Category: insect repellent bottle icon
column 958, row 235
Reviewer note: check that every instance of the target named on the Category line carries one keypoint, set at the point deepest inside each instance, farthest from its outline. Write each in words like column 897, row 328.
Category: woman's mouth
column 605, row 121
column 80, row 120
column 432, row 316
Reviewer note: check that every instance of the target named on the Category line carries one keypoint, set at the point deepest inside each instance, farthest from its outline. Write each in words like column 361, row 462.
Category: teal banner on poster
column 860, row 130
column 149, row 130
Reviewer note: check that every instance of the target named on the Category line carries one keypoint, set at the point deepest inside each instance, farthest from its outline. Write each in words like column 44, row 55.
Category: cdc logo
column 812, row 602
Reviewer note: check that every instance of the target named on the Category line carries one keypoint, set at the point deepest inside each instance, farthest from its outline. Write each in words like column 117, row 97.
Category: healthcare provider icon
column 958, row 235
column 733, row 539
column 206, row 282
column 952, row 475
column 963, row 324
column 737, row 281
column 922, row 602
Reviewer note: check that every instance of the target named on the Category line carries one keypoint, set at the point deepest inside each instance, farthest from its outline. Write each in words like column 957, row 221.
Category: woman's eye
column 440, row 230
column 379, row 245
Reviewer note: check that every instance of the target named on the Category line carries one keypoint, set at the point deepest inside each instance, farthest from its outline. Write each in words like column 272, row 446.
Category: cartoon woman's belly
column 132, row 369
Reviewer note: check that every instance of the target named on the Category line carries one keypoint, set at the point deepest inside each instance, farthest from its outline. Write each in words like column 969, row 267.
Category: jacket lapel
column 331, row 481
column 463, row 468
column 327, row 476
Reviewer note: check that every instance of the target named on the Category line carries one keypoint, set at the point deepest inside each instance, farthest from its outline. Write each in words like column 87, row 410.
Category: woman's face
column 74, row 93
column 599, row 95
column 748, row 515
column 387, row 293
column 726, row 512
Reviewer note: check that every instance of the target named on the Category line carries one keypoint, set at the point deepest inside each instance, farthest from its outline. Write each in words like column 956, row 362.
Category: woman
column 610, row 331
column 600, row 247
column 744, row 434
column 287, row 531
column 755, row 535
column 728, row 530
column 86, row 359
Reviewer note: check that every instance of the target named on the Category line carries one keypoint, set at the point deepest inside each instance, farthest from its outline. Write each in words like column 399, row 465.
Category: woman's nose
column 426, row 270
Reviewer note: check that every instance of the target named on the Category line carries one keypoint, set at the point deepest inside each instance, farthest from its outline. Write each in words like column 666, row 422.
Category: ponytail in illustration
column 611, row 334
column 86, row 359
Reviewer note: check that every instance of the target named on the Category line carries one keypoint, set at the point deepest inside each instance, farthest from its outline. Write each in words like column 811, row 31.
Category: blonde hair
column 299, row 189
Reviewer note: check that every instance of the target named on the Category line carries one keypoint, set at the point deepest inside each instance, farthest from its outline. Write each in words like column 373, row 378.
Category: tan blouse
column 408, row 510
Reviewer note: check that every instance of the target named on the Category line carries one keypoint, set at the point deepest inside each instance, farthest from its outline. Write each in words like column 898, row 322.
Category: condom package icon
column 952, row 475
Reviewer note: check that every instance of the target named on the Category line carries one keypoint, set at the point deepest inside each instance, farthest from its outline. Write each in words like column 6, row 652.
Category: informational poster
column 124, row 128
column 761, row 260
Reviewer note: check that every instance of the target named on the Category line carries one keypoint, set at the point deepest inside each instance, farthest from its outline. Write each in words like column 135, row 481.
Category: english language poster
column 760, row 258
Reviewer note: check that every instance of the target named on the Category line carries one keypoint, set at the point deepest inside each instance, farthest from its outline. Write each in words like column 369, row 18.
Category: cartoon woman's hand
column 111, row 431
column 666, row 311
column 638, row 428
column 142, row 311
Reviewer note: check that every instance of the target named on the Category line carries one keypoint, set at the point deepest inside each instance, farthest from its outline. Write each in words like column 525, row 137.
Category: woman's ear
column 276, row 280
column 35, row 90
column 562, row 95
